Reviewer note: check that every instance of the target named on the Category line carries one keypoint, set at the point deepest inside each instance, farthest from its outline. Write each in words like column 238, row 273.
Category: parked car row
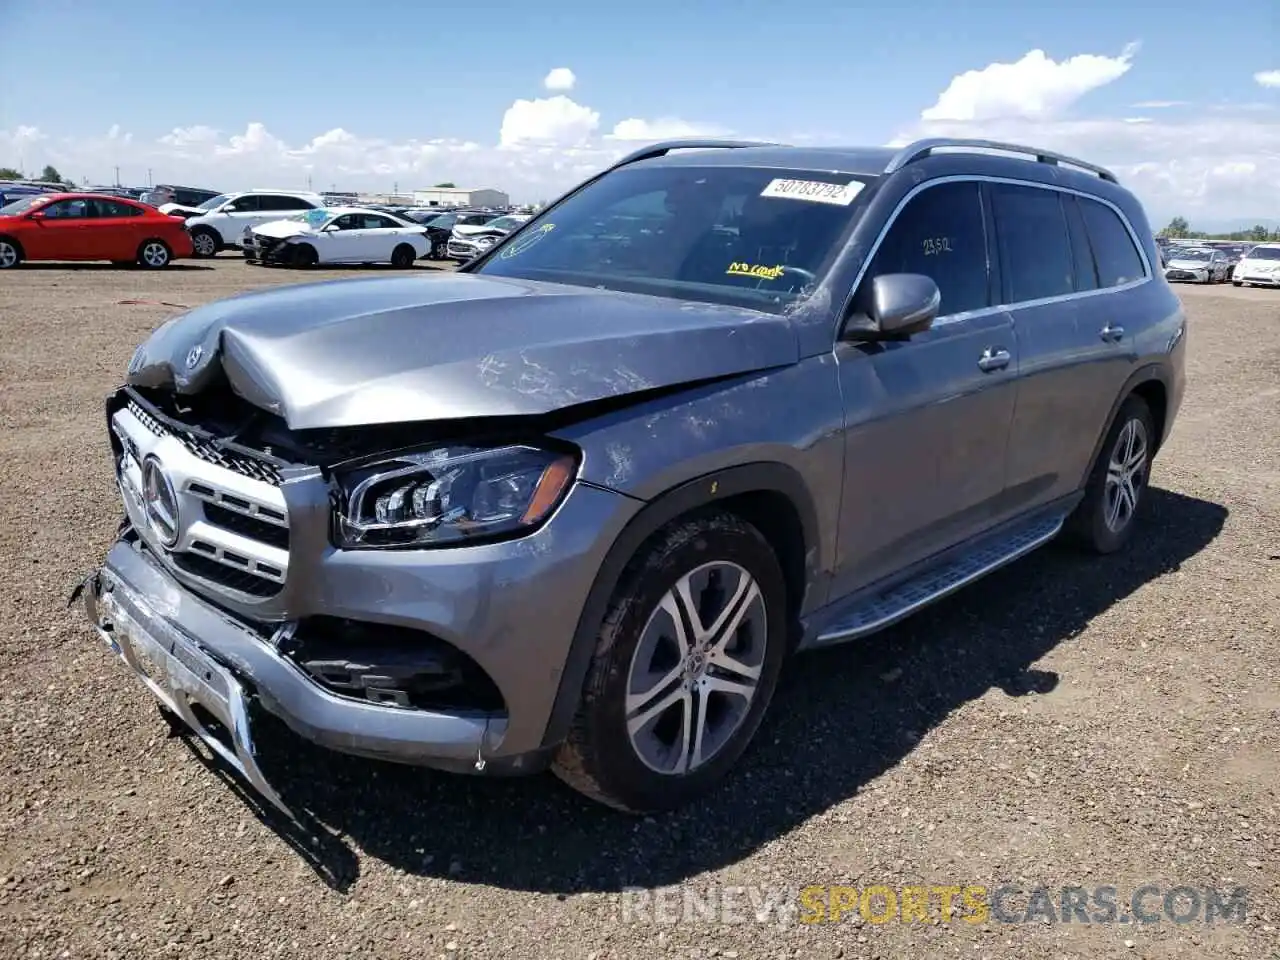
column 86, row 226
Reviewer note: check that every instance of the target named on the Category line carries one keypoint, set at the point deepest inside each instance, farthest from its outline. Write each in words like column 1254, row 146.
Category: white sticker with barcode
column 815, row 191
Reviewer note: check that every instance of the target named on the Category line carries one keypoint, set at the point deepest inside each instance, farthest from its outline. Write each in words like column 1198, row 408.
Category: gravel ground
column 1068, row 721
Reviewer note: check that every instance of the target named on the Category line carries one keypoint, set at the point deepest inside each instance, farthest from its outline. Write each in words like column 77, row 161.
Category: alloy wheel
column 204, row 245
column 154, row 254
column 695, row 672
column 1126, row 472
column 8, row 255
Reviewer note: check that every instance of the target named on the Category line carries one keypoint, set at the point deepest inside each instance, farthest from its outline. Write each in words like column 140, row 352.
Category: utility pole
column 117, row 176
column 149, row 183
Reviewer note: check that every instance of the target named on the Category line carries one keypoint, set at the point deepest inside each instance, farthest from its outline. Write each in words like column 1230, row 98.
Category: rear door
column 1065, row 268
column 927, row 419
column 116, row 229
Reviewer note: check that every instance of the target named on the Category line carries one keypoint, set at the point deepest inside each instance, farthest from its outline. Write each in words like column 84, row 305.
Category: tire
column 304, row 256
column 205, row 243
column 1237, row 283
column 638, row 642
column 10, row 253
column 402, row 257
column 1091, row 524
column 440, row 250
column 154, row 254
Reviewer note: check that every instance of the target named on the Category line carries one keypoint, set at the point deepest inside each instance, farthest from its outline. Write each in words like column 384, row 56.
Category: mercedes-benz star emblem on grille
column 160, row 501
column 194, row 355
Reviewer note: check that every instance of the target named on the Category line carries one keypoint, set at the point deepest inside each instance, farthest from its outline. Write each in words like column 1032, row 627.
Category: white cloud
column 1158, row 104
column 1033, row 87
column 1207, row 165
column 1267, row 78
column 555, row 120
column 664, row 128
column 561, row 79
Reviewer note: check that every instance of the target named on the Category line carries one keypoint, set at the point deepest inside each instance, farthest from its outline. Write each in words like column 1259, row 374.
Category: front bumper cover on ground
column 201, row 663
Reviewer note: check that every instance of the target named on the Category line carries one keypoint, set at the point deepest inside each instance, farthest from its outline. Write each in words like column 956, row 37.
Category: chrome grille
column 244, row 465
column 233, row 522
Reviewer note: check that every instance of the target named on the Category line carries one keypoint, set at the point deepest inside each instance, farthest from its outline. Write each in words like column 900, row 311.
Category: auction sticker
column 815, row 191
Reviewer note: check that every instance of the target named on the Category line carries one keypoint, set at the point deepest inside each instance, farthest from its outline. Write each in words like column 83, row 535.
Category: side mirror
column 893, row 306
column 36, row 215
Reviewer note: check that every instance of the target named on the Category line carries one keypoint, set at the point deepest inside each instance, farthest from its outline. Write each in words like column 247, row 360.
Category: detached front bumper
column 202, row 664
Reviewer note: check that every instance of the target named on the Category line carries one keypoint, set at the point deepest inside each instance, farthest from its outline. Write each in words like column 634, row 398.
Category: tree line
column 1179, row 229
column 50, row 174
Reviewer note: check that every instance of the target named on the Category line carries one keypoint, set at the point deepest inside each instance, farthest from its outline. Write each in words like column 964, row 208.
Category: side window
column 67, row 209
column 941, row 233
column 1081, row 253
column 1035, row 250
column 110, row 208
column 1118, row 259
column 379, row 223
column 347, row 222
column 246, row 204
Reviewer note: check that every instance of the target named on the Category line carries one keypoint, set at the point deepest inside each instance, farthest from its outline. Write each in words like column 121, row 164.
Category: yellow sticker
column 755, row 270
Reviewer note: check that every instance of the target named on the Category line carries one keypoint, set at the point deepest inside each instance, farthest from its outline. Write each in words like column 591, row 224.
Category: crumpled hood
column 177, row 210
column 283, row 228
column 386, row 350
column 1185, row 264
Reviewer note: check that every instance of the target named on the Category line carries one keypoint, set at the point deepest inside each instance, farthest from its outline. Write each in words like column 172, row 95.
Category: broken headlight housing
column 450, row 495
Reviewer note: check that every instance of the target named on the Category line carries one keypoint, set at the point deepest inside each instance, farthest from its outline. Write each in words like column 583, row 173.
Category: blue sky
column 418, row 72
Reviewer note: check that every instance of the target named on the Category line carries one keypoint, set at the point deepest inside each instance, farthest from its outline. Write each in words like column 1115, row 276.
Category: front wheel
column 10, row 255
column 1104, row 520
column 205, row 243
column 685, row 664
column 305, row 256
column 440, row 251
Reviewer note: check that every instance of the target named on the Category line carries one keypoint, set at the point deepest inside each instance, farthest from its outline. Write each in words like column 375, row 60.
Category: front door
column 61, row 232
column 927, row 420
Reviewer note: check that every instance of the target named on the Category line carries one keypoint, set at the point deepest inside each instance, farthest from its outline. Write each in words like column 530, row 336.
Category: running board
column 884, row 609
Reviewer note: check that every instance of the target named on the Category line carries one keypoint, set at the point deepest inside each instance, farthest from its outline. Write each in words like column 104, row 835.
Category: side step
column 881, row 610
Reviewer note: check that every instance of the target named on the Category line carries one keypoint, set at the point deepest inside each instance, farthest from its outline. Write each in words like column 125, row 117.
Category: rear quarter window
column 1113, row 248
column 1035, row 248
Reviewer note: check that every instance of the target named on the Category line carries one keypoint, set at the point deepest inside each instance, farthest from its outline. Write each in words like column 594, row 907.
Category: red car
column 89, row 226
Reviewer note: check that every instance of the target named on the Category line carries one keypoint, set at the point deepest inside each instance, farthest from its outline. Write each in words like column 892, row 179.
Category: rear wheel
column 10, row 254
column 205, row 243
column 154, row 254
column 402, row 257
column 1104, row 520
column 686, row 661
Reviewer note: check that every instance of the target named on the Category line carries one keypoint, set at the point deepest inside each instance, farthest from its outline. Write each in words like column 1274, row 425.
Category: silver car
column 577, row 505
column 1197, row 264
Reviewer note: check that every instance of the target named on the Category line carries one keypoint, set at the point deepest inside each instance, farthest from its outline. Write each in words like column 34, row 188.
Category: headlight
column 486, row 241
column 448, row 495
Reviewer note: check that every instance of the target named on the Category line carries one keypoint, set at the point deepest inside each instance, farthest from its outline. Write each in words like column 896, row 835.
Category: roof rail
column 666, row 146
column 923, row 148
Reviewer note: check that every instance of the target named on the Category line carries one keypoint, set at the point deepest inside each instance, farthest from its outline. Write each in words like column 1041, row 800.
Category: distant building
column 458, row 197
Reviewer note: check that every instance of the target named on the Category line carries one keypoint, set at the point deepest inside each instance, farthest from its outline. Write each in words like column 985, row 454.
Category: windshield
column 21, row 206
column 506, row 223
column 445, row 220
column 1264, row 253
column 735, row 235
column 213, row 202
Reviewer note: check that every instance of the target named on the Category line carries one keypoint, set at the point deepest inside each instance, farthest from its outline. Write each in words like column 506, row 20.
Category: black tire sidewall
column 142, row 260
column 686, row 545
column 1094, row 529
column 305, row 256
column 204, row 232
column 399, row 252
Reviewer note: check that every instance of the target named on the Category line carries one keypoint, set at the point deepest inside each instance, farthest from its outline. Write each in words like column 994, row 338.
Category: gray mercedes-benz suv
column 576, row 505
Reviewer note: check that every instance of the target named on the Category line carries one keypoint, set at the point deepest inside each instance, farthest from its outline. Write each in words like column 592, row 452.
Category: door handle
column 1112, row 334
column 993, row 358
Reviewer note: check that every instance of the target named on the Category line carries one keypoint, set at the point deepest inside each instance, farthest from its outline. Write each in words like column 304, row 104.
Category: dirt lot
column 1067, row 722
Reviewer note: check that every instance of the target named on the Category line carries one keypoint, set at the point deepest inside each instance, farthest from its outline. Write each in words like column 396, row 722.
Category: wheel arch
column 17, row 244
column 1149, row 382
column 771, row 496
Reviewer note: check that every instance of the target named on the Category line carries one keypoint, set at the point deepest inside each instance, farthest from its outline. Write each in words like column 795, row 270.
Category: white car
column 471, row 240
column 1197, row 264
column 1259, row 267
column 223, row 219
column 337, row 235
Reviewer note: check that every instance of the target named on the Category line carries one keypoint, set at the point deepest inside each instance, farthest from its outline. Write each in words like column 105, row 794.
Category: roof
column 865, row 161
